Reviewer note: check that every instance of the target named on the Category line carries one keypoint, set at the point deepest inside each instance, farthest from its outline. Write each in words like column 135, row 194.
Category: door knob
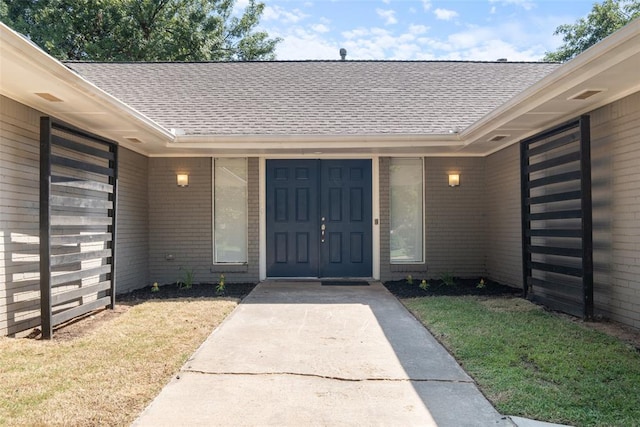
column 322, row 229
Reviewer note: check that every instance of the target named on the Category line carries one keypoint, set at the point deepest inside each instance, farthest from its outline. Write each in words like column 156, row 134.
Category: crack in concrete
column 328, row 377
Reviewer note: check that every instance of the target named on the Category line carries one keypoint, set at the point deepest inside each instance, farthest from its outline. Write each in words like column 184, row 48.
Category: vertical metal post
column 587, row 217
column 113, row 164
column 45, row 228
column 524, row 215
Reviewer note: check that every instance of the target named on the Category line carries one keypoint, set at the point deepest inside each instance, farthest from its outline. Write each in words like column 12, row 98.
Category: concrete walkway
column 299, row 353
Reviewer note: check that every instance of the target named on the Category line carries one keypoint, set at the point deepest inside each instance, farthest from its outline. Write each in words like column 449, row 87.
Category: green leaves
column 604, row 19
column 142, row 30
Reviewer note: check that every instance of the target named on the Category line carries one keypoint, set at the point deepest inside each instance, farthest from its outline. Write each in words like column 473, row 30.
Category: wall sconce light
column 183, row 180
column 454, row 179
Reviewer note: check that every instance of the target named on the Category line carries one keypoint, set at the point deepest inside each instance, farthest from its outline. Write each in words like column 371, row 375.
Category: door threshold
column 344, row 283
column 321, row 279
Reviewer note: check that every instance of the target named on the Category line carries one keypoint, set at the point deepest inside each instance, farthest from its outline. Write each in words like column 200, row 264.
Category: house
column 312, row 169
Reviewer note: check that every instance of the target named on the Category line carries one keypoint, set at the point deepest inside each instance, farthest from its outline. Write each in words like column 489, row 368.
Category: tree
column 4, row 13
column 604, row 19
column 142, row 30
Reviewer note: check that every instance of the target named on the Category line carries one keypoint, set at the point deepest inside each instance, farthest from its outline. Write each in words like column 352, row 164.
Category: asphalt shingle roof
column 314, row 97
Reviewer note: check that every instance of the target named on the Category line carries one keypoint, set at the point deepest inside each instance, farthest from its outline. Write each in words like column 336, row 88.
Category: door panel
column 302, row 247
column 357, row 247
column 303, row 195
column 345, row 205
column 335, row 247
column 292, row 220
column 302, row 204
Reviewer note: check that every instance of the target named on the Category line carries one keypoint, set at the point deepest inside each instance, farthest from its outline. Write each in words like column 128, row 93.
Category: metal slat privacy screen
column 556, row 218
column 78, row 175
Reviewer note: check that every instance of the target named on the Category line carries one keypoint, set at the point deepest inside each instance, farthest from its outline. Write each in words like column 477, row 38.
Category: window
column 230, row 211
column 407, row 208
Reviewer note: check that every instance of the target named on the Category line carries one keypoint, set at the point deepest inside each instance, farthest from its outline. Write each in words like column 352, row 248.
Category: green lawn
column 534, row 364
column 105, row 376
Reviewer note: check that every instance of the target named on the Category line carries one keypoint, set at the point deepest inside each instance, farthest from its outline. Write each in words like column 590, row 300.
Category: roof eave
column 568, row 78
column 58, row 77
column 316, row 144
column 538, row 107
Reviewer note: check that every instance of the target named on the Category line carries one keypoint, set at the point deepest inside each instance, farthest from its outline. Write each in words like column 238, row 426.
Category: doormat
column 345, row 283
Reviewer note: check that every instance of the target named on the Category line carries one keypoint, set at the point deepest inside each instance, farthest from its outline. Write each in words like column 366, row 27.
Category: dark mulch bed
column 402, row 289
column 197, row 290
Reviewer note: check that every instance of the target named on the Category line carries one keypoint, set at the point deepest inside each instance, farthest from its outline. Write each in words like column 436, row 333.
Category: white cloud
column 487, row 39
column 472, row 43
column 381, row 43
column 239, row 7
column 525, row 4
column 426, row 4
column 388, row 15
column 301, row 44
column 277, row 13
column 355, row 33
column 445, row 14
column 509, row 40
column 470, row 38
column 320, row 28
column 418, row 29
column 491, row 50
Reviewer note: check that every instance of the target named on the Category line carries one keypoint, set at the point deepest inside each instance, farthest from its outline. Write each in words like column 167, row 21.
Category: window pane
column 407, row 219
column 230, row 210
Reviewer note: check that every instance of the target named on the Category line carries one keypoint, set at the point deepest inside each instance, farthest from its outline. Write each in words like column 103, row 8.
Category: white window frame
column 213, row 212
column 423, row 235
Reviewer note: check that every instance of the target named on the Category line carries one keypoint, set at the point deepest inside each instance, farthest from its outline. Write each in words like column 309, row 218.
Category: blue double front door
column 318, row 218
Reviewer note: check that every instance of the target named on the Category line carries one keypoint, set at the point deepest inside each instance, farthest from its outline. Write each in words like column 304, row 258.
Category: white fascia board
column 598, row 58
column 34, row 56
column 308, row 142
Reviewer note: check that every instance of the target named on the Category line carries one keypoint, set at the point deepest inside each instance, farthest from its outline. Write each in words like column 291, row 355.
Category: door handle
column 322, row 229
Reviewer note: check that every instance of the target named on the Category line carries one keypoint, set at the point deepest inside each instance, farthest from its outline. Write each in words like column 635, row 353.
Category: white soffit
column 32, row 77
column 609, row 70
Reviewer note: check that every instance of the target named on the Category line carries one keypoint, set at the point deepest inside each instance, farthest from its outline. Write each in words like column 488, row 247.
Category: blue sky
column 519, row 30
